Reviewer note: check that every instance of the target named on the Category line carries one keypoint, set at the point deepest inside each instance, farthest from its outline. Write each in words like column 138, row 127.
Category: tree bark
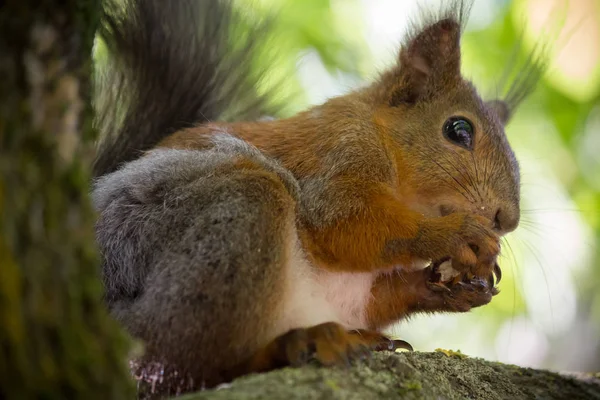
column 56, row 338
column 387, row 376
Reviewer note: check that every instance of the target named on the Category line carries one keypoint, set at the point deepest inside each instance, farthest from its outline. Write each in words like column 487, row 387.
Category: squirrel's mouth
column 442, row 271
column 442, row 274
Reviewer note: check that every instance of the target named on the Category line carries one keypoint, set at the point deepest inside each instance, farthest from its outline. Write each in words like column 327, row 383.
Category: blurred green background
column 548, row 311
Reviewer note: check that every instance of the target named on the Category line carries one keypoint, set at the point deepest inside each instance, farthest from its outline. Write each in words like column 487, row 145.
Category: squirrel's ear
column 428, row 61
column 501, row 109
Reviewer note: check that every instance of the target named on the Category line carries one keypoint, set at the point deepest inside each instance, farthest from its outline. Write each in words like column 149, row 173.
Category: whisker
column 464, row 166
column 464, row 172
column 466, row 189
column 513, row 264
column 536, row 255
column 450, row 185
column 477, row 180
column 534, row 230
column 540, row 210
column 464, row 192
column 467, row 194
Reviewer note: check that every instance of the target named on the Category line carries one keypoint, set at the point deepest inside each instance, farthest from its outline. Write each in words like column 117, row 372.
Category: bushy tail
column 166, row 65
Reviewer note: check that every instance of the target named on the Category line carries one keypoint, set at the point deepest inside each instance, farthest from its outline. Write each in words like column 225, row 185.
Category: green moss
column 452, row 353
column 332, row 384
column 56, row 338
column 412, row 385
column 407, row 376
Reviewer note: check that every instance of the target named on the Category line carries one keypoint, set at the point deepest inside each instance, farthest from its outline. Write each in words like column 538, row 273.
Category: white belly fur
column 314, row 296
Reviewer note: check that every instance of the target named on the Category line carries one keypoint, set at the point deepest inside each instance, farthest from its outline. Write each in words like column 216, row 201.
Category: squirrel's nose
column 506, row 219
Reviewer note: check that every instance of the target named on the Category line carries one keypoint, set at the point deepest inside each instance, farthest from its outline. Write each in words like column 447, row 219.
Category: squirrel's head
column 453, row 152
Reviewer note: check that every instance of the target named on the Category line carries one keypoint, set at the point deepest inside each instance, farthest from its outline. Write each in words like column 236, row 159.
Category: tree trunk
column 56, row 338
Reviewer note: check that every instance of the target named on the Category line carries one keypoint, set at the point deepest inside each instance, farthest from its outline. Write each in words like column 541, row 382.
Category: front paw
column 327, row 344
column 460, row 292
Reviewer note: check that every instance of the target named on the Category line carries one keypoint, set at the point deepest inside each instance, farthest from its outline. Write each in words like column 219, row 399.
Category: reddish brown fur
column 400, row 294
column 202, row 257
column 395, row 190
column 328, row 343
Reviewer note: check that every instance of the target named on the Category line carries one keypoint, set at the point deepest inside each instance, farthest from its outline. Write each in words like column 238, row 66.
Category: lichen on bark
column 56, row 338
column 405, row 375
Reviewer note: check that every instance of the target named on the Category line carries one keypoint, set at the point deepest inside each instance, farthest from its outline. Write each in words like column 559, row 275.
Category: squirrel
column 233, row 244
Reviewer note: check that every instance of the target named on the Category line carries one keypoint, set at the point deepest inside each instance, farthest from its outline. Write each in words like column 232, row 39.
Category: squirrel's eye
column 459, row 131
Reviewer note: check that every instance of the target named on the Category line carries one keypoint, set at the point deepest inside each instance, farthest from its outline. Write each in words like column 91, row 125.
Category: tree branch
column 409, row 376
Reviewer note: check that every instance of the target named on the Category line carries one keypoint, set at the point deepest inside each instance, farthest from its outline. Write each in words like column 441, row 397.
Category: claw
column 354, row 352
column 401, row 344
column 363, row 352
column 466, row 286
column 393, row 344
column 478, row 282
column 491, row 281
column 438, row 287
column 304, row 356
column 386, row 344
column 498, row 273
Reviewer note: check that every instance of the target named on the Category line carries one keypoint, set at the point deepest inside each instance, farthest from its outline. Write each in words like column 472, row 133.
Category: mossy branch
column 439, row 375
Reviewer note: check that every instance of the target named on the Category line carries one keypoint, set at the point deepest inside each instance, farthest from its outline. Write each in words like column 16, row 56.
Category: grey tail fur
column 171, row 65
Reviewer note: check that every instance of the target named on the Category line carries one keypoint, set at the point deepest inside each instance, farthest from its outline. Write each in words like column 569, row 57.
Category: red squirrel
column 247, row 245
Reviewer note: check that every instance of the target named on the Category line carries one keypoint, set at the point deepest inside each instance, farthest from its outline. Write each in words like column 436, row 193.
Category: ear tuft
column 520, row 78
column 430, row 55
column 501, row 109
column 431, row 58
column 435, row 47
